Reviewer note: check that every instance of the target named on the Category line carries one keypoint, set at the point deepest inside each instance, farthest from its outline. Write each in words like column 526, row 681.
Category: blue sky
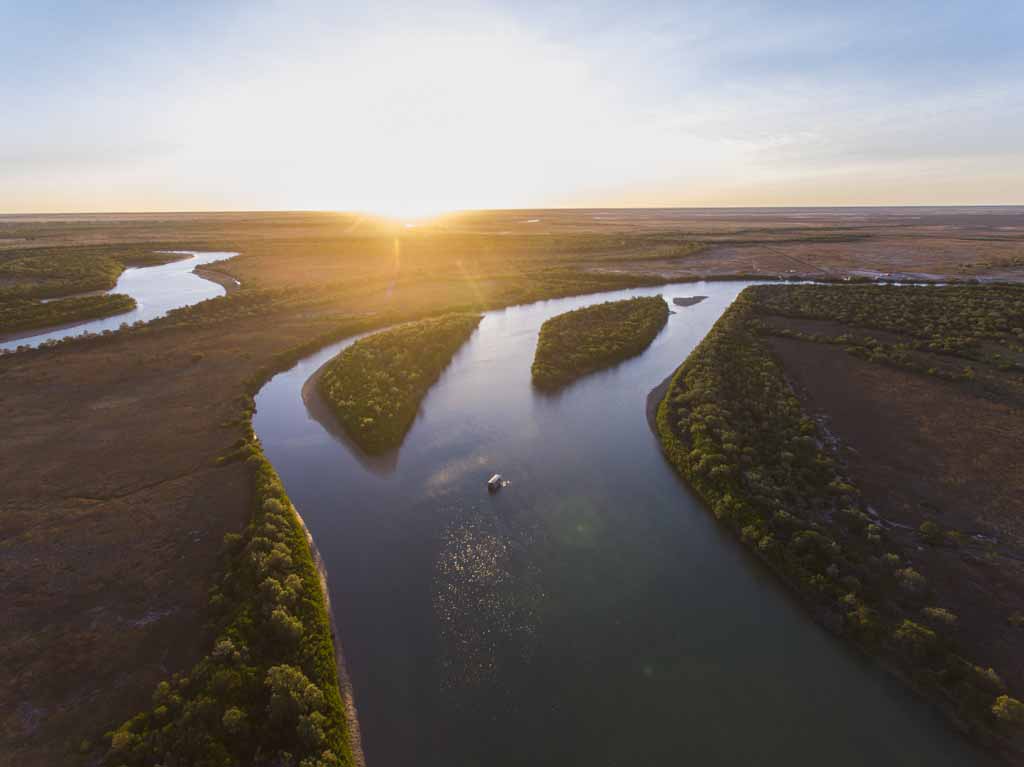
column 405, row 108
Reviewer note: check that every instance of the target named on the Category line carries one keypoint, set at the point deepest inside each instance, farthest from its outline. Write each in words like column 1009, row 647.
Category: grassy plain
column 115, row 506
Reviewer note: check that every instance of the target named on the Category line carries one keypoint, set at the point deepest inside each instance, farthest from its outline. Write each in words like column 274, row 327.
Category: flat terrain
column 113, row 512
column 931, row 450
column 863, row 441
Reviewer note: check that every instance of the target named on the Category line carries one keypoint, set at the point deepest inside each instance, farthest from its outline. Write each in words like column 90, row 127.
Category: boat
column 494, row 483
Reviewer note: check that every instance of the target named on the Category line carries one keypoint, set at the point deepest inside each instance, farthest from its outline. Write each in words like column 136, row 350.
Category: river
column 156, row 290
column 592, row 612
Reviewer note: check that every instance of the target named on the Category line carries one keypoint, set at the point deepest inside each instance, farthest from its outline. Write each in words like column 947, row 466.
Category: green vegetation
column 983, row 325
column 29, row 275
column 585, row 340
column 25, row 314
column 268, row 692
column 58, row 271
column 734, row 429
column 375, row 386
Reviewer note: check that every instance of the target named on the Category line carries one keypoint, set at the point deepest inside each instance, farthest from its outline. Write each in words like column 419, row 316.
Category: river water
column 592, row 612
column 156, row 290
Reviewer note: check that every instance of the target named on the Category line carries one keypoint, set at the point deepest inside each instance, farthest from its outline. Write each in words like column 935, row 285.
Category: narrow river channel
column 592, row 612
column 156, row 290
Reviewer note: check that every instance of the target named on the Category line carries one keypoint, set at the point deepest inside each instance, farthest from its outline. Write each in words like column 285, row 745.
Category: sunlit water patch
column 592, row 612
column 486, row 601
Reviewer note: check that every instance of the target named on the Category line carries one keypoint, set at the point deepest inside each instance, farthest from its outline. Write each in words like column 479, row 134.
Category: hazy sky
column 415, row 107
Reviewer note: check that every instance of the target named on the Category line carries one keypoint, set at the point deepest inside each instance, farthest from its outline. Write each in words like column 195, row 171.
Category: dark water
column 591, row 612
column 156, row 290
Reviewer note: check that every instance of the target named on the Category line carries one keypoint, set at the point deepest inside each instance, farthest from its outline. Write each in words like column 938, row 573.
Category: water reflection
column 486, row 599
column 381, row 464
column 591, row 612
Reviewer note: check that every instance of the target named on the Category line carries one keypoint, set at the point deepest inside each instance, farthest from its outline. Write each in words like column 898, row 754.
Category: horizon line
column 230, row 211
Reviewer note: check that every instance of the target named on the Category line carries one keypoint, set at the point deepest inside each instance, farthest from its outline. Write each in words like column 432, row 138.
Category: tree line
column 733, row 428
column 267, row 692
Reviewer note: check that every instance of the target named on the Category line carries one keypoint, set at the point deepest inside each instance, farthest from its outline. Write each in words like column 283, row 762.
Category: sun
column 408, row 211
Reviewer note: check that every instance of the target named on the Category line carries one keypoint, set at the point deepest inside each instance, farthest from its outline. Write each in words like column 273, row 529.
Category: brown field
column 112, row 511
column 923, row 448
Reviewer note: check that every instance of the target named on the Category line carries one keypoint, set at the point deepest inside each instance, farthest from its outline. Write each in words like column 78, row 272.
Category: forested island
column 887, row 544
column 375, row 386
column 586, row 340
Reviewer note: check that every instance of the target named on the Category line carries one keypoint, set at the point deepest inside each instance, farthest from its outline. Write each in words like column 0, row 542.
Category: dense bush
column 375, row 386
column 732, row 426
column 32, row 274
column 58, row 271
column 267, row 693
column 954, row 319
column 25, row 314
column 585, row 340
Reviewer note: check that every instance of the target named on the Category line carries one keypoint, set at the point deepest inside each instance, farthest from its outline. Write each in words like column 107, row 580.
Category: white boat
column 494, row 483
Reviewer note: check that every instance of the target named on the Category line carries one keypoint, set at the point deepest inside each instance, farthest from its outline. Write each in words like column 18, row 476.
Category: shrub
column 234, row 722
column 939, row 615
column 915, row 638
column 930, row 532
column 911, row 581
column 1009, row 710
column 291, row 694
column 286, row 627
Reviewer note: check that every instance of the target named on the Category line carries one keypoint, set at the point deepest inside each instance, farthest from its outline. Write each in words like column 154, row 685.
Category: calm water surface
column 591, row 612
column 156, row 290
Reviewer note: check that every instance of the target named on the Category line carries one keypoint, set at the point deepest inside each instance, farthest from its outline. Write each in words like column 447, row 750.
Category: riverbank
column 348, row 701
column 115, row 511
column 151, row 290
column 382, row 464
column 540, row 566
column 25, row 318
column 225, row 280
column 860, row 576
column 653, row 401
column 32, row 333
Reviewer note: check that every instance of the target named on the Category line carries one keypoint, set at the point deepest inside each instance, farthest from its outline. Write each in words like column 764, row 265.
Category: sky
column 414, row 108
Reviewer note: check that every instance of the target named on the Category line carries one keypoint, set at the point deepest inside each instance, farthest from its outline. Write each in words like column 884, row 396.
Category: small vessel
column 494, row 483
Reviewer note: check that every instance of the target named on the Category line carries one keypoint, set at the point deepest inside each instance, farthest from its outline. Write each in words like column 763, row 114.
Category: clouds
column 268, row 105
